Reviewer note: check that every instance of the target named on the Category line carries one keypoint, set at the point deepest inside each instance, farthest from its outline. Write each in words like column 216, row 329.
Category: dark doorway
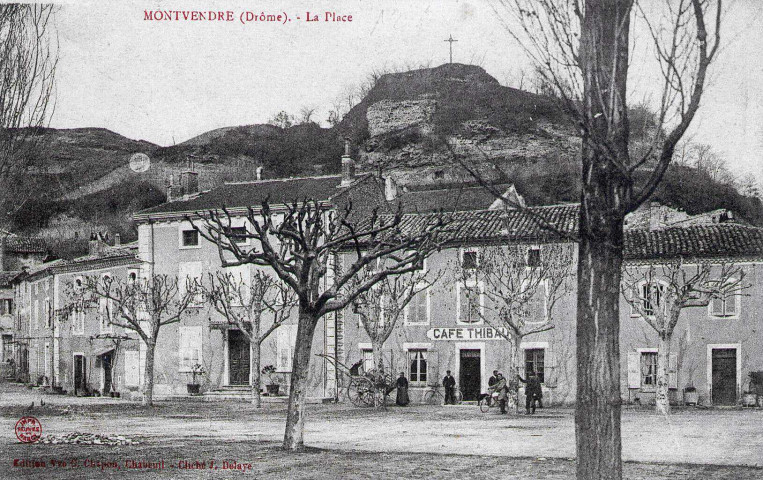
column 470, row 374
column 238, row 358
column 106, row 363
column 724, row 365
column 80, row 374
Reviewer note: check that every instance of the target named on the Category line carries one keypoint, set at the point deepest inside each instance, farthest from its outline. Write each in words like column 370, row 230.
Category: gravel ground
column 417, row 442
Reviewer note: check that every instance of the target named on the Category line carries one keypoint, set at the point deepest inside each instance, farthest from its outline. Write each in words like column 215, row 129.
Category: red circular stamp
column 28, row 429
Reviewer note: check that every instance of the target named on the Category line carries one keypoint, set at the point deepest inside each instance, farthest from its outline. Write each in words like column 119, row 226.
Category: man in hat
column 450, row 388
column 402, row 390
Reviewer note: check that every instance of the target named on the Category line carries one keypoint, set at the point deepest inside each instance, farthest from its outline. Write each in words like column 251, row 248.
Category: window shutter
column 673, row 371
column 731, row 305
column 132, row 368
column 463, row 300
column 717, row 306
column 634, row 370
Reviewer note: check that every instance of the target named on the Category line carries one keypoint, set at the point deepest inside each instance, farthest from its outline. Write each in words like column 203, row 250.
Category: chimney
column 117, row 240
column 654, row 216
column 259, row 172
column 390, row 189
column 348, row 165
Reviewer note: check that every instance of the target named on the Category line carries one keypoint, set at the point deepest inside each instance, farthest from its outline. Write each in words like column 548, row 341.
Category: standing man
column 493, row 379
column 450, row 388
column 533, row 391
column 499, row 391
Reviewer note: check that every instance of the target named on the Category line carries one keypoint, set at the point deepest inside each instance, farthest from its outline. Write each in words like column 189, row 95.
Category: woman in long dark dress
column 402, row 390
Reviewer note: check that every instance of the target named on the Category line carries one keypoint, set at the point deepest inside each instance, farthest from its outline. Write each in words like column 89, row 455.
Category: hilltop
column 402, row 122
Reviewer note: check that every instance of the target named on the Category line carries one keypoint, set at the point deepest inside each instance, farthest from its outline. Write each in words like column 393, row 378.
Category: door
column 79, row 374
column 724, row 366
column 470, row 374
column 238, row 358
column 106, row 363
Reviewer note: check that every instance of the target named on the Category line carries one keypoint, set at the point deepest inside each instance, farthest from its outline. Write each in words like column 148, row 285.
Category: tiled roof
column 453, row 199
column 126, row 253
column 560, row 222
column 249, row 194
column 717, row 240
column 6, row 277
column 25, row 245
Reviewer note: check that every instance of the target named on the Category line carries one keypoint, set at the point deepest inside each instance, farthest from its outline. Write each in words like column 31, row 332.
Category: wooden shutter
column 716, row 308
column 731, row 305
column 673, row 371
column 634, row 370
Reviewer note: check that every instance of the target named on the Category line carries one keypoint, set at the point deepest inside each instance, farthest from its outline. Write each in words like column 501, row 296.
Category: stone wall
column 389, row 116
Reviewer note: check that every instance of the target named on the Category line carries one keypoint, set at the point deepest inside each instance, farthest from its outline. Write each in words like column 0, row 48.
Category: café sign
column 466, row 333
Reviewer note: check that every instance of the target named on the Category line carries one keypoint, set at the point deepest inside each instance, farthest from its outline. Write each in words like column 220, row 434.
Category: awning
column 104, row 351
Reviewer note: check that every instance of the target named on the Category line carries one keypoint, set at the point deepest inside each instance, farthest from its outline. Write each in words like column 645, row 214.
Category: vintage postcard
column 393, row 239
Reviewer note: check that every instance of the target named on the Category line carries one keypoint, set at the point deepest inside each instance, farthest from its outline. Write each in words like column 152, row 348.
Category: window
column 368, row 359
column 534, row 358
column 190, row 347
column 469, row 259
column 6, row 306
column 417, row 361
column 286, row 339
column 470, row 303
column 726, row 304
column 132, row 277
column 189, row 238
column 78, row 321
column 648, row 369
column 189, row 275
column 106, row 308
column 417, row 310
column 47, row 314
column 238, row 234
column 651, row 295
column 533, row 257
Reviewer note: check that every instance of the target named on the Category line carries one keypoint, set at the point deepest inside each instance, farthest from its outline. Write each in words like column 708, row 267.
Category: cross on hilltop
column 450, row 40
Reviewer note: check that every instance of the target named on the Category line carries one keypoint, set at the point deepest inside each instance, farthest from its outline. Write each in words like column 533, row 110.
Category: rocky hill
column 410, row 123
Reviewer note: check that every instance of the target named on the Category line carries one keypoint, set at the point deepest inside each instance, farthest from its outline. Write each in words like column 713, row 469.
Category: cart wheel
column 359, row 392
column 484, row 404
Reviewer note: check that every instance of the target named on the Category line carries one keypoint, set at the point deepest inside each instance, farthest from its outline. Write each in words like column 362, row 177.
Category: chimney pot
column 117, row 240
column 348, row 166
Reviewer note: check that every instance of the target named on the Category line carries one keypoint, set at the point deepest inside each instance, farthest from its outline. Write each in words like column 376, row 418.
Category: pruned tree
column 659, row 293
column 28, row 59
column 583, row 50
column 522, row 286
column 381, row 307
column 142, row 306
column 299, row 243
column 256, row 307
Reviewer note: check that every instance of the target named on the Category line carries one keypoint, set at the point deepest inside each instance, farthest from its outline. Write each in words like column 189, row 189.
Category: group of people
column 497, row 386
column 402, row 389
column 499, row 389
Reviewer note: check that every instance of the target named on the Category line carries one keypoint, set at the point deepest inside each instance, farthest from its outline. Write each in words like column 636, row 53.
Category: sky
column 167, row 81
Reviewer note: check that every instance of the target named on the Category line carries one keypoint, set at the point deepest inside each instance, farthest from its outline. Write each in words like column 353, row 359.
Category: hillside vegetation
column 87, row 183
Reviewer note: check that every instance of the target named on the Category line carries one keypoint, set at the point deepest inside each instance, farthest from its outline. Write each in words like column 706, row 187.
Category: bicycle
column 434, row 396
column 486, row 402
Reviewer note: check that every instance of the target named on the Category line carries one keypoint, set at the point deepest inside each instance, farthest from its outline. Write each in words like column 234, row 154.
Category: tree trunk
column 514, row 371
column 295, row 419
column 256, row 397
column 662, row 402
column 148, row 375
column 606, row 193
column 379, row 393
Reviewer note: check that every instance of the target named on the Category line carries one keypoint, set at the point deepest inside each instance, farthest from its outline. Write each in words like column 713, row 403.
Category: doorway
column 470, row 374
column 238, row 358
column 107, row 367
column 80, row 375
column 724, row 376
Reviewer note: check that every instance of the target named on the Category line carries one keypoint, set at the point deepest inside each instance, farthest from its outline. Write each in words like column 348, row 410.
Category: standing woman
column 402, row 390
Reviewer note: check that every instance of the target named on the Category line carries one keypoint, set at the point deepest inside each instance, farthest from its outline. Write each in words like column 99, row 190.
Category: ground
column 345, row 442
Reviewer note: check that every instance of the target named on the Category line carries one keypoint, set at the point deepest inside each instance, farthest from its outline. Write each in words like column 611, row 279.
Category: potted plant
column 691, row 396
column 274, row 380
column 196, row 371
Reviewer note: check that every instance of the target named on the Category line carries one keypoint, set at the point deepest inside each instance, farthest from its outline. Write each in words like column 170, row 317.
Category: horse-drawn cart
column 362, row 388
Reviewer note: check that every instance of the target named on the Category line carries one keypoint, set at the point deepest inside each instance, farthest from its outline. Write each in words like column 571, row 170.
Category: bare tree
column 583, row 49
column 299, row 244
column 143, row 306
column 283, row 120
column 522, row 286
column 306, row 114
column 659, row 293
column 28, row 59
column 245, row 305
column 381, row 307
